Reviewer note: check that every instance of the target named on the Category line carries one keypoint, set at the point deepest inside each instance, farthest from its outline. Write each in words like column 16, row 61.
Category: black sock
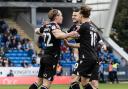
column 34, row 86
column 74, row 85
column 88, row 86
column 43, row 87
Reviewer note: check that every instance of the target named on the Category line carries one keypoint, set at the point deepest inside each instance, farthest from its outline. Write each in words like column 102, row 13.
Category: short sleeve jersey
column 52, row 45
column 89, row 39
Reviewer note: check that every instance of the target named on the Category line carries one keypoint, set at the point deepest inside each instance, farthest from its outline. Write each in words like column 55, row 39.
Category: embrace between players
column 86, row 37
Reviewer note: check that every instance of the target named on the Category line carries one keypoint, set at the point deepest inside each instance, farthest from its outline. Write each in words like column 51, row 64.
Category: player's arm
column 61, row 35
column 103, row 44
column 72, row 45
column 39, row 31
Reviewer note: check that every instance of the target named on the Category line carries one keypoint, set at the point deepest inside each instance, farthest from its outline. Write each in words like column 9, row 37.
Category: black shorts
column 88, row 68
column 95, row 73
column 48, row 65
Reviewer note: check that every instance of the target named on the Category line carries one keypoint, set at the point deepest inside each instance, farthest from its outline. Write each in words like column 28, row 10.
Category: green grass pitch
column 102, row 86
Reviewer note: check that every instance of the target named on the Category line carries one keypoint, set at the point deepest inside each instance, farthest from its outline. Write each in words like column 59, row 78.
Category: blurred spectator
column 101, row 72
column 4, row 39
column 24, row 64
column 123, row 62
column 33, row 60
column 5, row 62
column 1, row 61
column 10, row 74
column 59, row 70
column 19, row 46
column 1, row 52
column 110, row 70
column 3, row 26
column 25, row 45
column 115, row 69
column 13, row 31
column 13, row 44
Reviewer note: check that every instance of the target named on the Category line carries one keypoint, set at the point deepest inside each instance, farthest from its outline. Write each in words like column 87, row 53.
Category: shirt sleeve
column 42, row 29
column 53, row 26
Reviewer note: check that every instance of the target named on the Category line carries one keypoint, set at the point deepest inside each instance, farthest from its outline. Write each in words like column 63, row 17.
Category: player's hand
column 37, row 30
column 57, row 31
column 66, row 42
column 74, row 34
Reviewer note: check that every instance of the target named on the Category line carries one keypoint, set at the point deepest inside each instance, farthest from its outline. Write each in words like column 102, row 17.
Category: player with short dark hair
column 75, row 78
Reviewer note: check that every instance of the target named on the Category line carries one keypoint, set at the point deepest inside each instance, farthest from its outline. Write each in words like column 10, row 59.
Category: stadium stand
column 15, row 48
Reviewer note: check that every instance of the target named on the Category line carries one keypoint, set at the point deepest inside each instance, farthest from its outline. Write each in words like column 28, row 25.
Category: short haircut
column 75, row 9
column 53, row 13
column 85, row 11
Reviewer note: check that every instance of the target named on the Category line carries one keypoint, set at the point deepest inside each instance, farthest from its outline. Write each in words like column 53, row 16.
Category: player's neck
column 76, row 23
column 85, row 20
column 54, row 22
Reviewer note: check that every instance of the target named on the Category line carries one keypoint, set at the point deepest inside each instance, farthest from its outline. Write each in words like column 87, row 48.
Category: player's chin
column 60, row 22
column 74, row 21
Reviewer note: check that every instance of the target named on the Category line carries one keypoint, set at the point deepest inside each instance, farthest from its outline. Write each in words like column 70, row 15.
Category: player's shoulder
column 85, row 25
column 52, row 25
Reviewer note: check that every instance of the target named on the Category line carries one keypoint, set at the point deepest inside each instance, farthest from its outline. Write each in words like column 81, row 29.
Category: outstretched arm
column 39, row 31
column 61, row 35
column 72, row 45
column 103, row 45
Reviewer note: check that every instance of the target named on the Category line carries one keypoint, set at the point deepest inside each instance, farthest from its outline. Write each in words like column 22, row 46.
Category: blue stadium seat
column 15, row 50
column 9, row 50
column 35, row 65
column 18, row 65
column 17, row 56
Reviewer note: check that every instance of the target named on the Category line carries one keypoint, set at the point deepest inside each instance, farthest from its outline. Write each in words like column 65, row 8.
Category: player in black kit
column 88, row 64
column 52, row 38
column 75, row 78
column 88, row 40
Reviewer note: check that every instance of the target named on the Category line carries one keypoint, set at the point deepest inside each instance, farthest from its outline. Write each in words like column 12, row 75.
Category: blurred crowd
column 11, row 40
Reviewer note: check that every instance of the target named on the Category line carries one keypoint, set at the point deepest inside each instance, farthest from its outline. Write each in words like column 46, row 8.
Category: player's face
column 75, row 17
column 59, row 18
